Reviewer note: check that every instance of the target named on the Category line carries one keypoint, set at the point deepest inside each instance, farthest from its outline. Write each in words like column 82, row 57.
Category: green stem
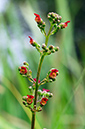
column 47, row 37
column 36, row 90
column 33, row 120
column 37, row 78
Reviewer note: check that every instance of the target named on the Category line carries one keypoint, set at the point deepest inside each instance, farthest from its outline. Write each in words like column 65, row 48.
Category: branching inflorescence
column 37, row 97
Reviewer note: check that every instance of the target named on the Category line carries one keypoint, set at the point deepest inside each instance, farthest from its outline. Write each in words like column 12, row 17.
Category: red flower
column 31, row 40
column 46, row 90
column 30, row 99
column 53, row 73
column 65, row 24
column 35, row 80
column 37, row 18
column 43, row 101
column 23, row 70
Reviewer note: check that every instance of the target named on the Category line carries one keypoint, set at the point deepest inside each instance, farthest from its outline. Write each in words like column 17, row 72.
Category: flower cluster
column 38, row 98
column 50, row 49
column 40, row 22
column 24, row 69
column 28, row 100
column 55, row 20
column 43, row 98
column 33, row 43
column 45, row 93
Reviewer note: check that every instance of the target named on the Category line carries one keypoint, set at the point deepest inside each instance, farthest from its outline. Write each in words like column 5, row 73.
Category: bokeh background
column 66, row 109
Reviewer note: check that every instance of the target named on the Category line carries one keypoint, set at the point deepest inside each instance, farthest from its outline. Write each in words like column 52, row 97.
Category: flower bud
column 52, row 51
column 39, row 92
column 56, row 48
column 51, row 47
column 24, row 98
column 39, row 109
column 25, row 63
column 49, row 52
column 50, row 95
column 44, row 46
column 30, row 88
column 47, row 94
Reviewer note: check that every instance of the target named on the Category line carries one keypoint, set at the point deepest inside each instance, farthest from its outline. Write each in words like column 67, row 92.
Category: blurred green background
column 66, row 109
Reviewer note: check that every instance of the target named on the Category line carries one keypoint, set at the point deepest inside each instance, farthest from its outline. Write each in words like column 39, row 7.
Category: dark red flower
column 31, row 40
column 37, row 18
column 23, row 70
column 46, row 90
column 53, row 73
column 43, row 101
column 35, row 80
column 65, row 24
column 30, row 99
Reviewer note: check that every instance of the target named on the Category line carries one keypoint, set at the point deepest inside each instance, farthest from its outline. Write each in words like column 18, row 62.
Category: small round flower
column 23, row 70
column 30, row 99
column 53, row 73
column 37, row 18
column 64, row 25
column 43, row 101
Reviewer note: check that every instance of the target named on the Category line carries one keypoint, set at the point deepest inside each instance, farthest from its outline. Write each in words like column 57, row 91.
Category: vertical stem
column 37, row 78
column 33, row 120
column 36, row 90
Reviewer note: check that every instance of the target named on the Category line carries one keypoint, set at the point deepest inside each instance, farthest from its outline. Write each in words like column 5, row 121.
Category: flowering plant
column 38, row 98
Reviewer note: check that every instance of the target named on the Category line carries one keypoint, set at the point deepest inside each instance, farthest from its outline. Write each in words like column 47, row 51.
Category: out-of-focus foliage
column 67, row 107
